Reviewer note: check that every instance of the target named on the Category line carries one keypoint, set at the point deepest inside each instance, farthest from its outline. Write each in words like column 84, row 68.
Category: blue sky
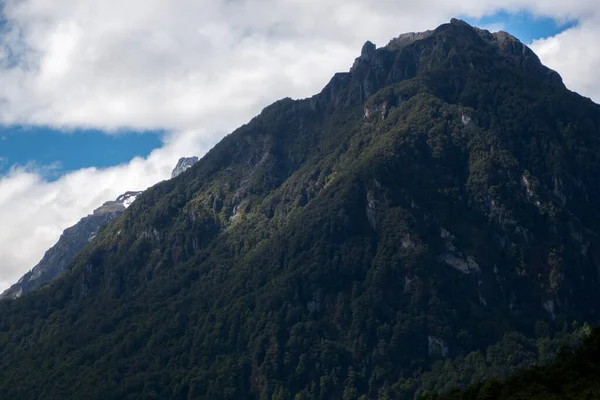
column 69, row 151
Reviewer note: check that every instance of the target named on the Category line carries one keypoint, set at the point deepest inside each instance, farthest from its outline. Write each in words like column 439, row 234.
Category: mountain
column 75, row 238
column 183, row 165
column 72, row 240
column 427, row 220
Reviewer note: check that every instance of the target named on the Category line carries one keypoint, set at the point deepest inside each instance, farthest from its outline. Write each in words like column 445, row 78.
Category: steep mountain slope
column 434, row 203
column 73, row 239
column 76, row 237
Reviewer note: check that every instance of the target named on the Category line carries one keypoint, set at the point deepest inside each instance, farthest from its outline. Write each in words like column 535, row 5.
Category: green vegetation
column 428, row 220
column 510, row 355
column 574, row 375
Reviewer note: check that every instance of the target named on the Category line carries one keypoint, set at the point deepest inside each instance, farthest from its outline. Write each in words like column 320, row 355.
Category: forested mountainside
column 573, row 375
column 432, row 211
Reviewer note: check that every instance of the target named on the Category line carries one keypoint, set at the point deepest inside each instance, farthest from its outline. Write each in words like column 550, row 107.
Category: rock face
column 73, row 239
column 183, row 165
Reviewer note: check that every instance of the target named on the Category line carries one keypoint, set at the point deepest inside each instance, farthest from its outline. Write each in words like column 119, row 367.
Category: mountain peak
column 128, row 197
column 119, row 205
column 459, row 22
column 183, row 165
column 455, row 48
column 368, row 49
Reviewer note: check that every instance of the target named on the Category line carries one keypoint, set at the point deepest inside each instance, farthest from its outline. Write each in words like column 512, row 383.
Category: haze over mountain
column 436, row 203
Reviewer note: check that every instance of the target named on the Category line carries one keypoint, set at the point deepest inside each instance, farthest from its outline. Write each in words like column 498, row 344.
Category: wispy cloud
column 45, row 171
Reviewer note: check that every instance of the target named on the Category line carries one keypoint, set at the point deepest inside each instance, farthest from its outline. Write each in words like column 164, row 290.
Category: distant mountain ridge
column 72, row 240
column 75, row 238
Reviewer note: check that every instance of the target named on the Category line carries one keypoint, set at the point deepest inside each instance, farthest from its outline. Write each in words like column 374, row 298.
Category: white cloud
column 200, row 68
column 45, row 171
column 576, row 55
column 34, row 211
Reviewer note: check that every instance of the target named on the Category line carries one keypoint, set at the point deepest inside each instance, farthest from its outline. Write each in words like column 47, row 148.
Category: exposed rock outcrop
column 183, row 165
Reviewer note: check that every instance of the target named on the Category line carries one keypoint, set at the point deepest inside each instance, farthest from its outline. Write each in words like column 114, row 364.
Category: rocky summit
column 183, row 165
column 426, row 221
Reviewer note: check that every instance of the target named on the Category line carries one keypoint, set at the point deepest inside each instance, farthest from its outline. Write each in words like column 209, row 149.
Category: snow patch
column 127, row 198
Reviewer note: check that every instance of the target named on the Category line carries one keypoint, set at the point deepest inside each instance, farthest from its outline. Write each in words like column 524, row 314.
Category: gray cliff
column 183, row 165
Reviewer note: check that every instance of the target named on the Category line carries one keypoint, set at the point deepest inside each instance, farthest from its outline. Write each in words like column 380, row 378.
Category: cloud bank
column 574, row 54
column 197, row 69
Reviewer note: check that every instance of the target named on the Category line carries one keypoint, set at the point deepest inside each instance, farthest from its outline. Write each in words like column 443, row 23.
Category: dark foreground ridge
column 428, row 220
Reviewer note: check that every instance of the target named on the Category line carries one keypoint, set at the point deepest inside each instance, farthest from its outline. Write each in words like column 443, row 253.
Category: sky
column 68, row 151
column 101, row 97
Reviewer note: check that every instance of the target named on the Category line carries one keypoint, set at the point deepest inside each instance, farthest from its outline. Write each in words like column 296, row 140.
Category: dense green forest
column 573, row 375
column 427, row 221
